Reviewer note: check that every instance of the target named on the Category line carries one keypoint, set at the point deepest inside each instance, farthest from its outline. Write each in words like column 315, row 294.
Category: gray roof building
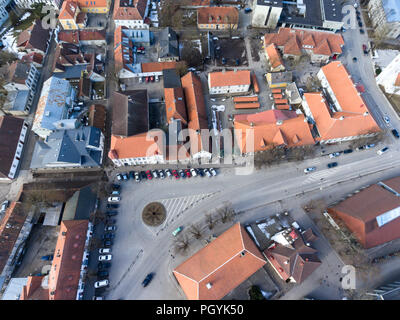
column 168, row 44
column 80, row 205
column 171, row 78
column 81, row 147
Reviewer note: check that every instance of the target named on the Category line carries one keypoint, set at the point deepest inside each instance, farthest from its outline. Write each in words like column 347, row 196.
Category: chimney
column 286, row 262
column 279, row 122
column 242, row 254
column 341, row 118
column 366, row 113
column 209, row 285
column 251, row 124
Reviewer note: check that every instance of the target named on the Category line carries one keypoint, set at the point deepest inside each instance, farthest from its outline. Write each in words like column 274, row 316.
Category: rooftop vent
column 209, row 286
column 243, row 253
column 279, row 122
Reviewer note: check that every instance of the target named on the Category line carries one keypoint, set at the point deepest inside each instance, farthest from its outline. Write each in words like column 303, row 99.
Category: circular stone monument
column 154, row 214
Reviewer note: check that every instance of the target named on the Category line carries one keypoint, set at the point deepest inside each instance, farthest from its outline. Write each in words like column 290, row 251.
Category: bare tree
column 181, row 244
column 195, row 230
column 210, row 221
column 226, row 212
column 94, row 244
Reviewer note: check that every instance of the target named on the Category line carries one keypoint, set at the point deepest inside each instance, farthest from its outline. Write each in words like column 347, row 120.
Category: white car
column 382, row 151
column 100, row 284
column 213, row 171
column 212, row 99
column 4, row 206
column 114, row 199
column 208, row 173
column 110, row 228
column 193, row 172
column 106, row 257
column 310, row 169
column 105, row 250
column 387, row 120
column 334, row 155
column 168, row 172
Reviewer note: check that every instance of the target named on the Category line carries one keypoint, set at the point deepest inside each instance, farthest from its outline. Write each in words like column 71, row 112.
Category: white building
column 131, row 13
column 266, row 13
column 389, row 78
column 227, row 82
column 27, row 4
column 385, row 17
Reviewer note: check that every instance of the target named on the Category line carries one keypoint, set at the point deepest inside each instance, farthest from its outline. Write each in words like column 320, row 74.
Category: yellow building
column 279, row 79
column 218, row 18
column 94, row 6
column 68, row 15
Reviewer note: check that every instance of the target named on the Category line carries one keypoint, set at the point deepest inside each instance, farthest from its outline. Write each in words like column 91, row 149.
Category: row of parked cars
column 162, row 174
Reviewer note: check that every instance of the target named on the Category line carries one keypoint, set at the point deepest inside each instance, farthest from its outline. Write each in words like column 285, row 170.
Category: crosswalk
column 175, row 207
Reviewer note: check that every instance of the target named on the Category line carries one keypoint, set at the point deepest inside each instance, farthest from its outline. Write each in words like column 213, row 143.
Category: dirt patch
column 232, row 50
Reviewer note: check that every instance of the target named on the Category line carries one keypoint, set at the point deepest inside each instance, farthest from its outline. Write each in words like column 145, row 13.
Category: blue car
column 48, row 257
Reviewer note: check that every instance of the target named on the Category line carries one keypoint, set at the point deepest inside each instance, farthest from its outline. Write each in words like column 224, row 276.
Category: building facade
column 385, row 17
column 389, row 78
column 229, row 82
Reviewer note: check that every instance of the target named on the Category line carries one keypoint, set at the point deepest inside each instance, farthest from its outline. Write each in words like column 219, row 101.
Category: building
column 56, row 98
column 193, row 4
column 274, row 58
column 12, row 138
column 293, row 43
column 131, row 142
column 14, row 289
column 71, row 17
column 131, row 13
column 279, row 79
column 291, row 255
column 217, row 18
column 168, row 47
column 85, row 37
column 221, row 266
column 94, row 6
column 372, row 214
column 292, row 94
column 175, row 105
column 341, row 113
column 70, row 148
column 305, row 14
column 97, row 117
column 27, row 4
column 385, row 17
column 237, row 81
column 34, row 39
column 3, row 11
column 273, row 128
column 389, row 78
column 66, row 278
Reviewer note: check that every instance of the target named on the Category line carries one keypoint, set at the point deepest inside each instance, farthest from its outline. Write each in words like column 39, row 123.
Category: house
column 56, row 98
column 34, row 58
column 221, row 266
column 34, row 39
column 97, row 117
column 193, row 4
column 217, row 18
column 131, row 142
column 291, row 255
column 168, row 47
column 131, row 13
column 347, row 116
column 94, row 6
column 12, row 138
column 372, row 214
column 28, row 4
column 14, row 289
column 389, row 78
column 69, row 266
column 175, row 105
column 274, row 58
column 266, row 14
column 385, row 17
column 71, row 17
column 293, row 94
column 279, row 79
column 273, row 128
column 70, row 148
column 237, row 81
column 3, row 11
column 85, row 37
column 293, row 43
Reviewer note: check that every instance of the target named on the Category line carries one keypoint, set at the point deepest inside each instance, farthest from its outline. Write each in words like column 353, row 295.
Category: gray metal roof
column 168, row 41
column 272, row 3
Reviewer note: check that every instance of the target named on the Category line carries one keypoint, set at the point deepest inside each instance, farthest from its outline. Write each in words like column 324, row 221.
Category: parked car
column 208, row 173
column 332, row 164
column 48, row 257
column 105, row 250
column 116, row 187
column 395, row 133
column 110, row 221
column 101, row 284
column 149, row 175
column 108, row 243
column 334, row 155
column 360, row 148
column 114, row 199
column 201, row 172
column 98, row 298
column 354, row 59
column 369, row 146
column 182, row 173
column 132, row 174
column 386, row 119
column 155, row 174
column 112, row 213
column 382, row 151
column 119, row 177
column 193, row 172
column 152, row 78
column 176, row 231
column 362, row 31
column 103, row 265
column 108, row 235
column 147, row 79
column 187, row 173
column 147, row 280
column 102, row 274
column 125, row 176
column 161, row 174
column 110, row 228
column 107, row 257
column 247, row 10
column 137, row 177
column 112, row 205
column 213, row 171
column 143, row 175
column 115, row 193
column 348, row 151
column 4, row 206
column 175, row 174
column 168, row 172
column 310, row 169
column 364, row 47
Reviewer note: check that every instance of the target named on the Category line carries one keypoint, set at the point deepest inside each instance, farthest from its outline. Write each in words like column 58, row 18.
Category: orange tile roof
column 272, row 128
column 224, row 264
column 277, row 96
column 247, row 105
column 68, row 10
column 217, row 15
column 397, row 82
column 293, row 40
column 281, row 101
column 245, row 99
column 93, row 4
column 137, row 146
column 159, row 66
column 175, row 106
column 196, row 3
column 124, row 11
column 229, row 78
column 33, row 290
column 276, row 90
column 274, row 56
column 282, row 107
column 68, row 254
column 255, row 83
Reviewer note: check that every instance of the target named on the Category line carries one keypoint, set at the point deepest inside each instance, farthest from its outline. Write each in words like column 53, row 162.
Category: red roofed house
column 131, row 13
column 373, row 214
column 291, row 255
column 175, row 106
column 71, row 17
column 320, row 46
column 272, row 128
column 94, row 6
column 221, row 266
column 274, row 58
column 350, row 118
column 218, row 18
column 224, row 82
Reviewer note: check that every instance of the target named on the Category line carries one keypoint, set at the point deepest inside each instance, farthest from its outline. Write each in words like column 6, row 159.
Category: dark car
column 103, row 265
column 247, row 10
column 201, row 172
column 332, row 164
column 132, row 174
column 147, row 280
column 354, row 59
column 48, row 257
column 110, row 221
column 108, row 235
column 362, row 31
column 116, row 187
column 396, row 133
column 143, row 175
column 107, row 243
column 365, row 49
column 102, row 274
column 182, row 173
column 112, row 205
column 348, row 151
column 360, row 24
column 112, row 213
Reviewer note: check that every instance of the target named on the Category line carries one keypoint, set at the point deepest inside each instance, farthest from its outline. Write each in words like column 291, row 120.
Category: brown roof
column 35, row 37
column 10, row 130
column 97, row 116
column 360, row 211
column 224, row 264
column 175, row 106
column 217, row 15
column 159, row 66
column 124, row 11
column 68, row 254
column 10, row 227
column 229, row 78
column 250, row 105
column 68, row 10
column 69, row 36
column 245, row 99
column 33, row 290
column 86, row 35
column 32, row 57
column 274, row 56
column 196, row 3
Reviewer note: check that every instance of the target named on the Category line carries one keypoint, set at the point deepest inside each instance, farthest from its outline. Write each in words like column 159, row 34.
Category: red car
column 141, row 48
column 152, row 79
column 175, row 173
column 149, row 175
column 147, row 79
column 187, row 172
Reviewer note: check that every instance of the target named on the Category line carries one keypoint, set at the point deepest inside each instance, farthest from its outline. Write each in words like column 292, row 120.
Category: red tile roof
column 274, row 56
column 229, row 78
column 124, row 11
column 217, row 15
column 251, row 105
column 223, row 264
column 245, row 99
column 68, row 10
column 69, row 36
column 34, row 290
column 87, row 35
column 159, row 66
column 175, row 106
column 255, row 83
